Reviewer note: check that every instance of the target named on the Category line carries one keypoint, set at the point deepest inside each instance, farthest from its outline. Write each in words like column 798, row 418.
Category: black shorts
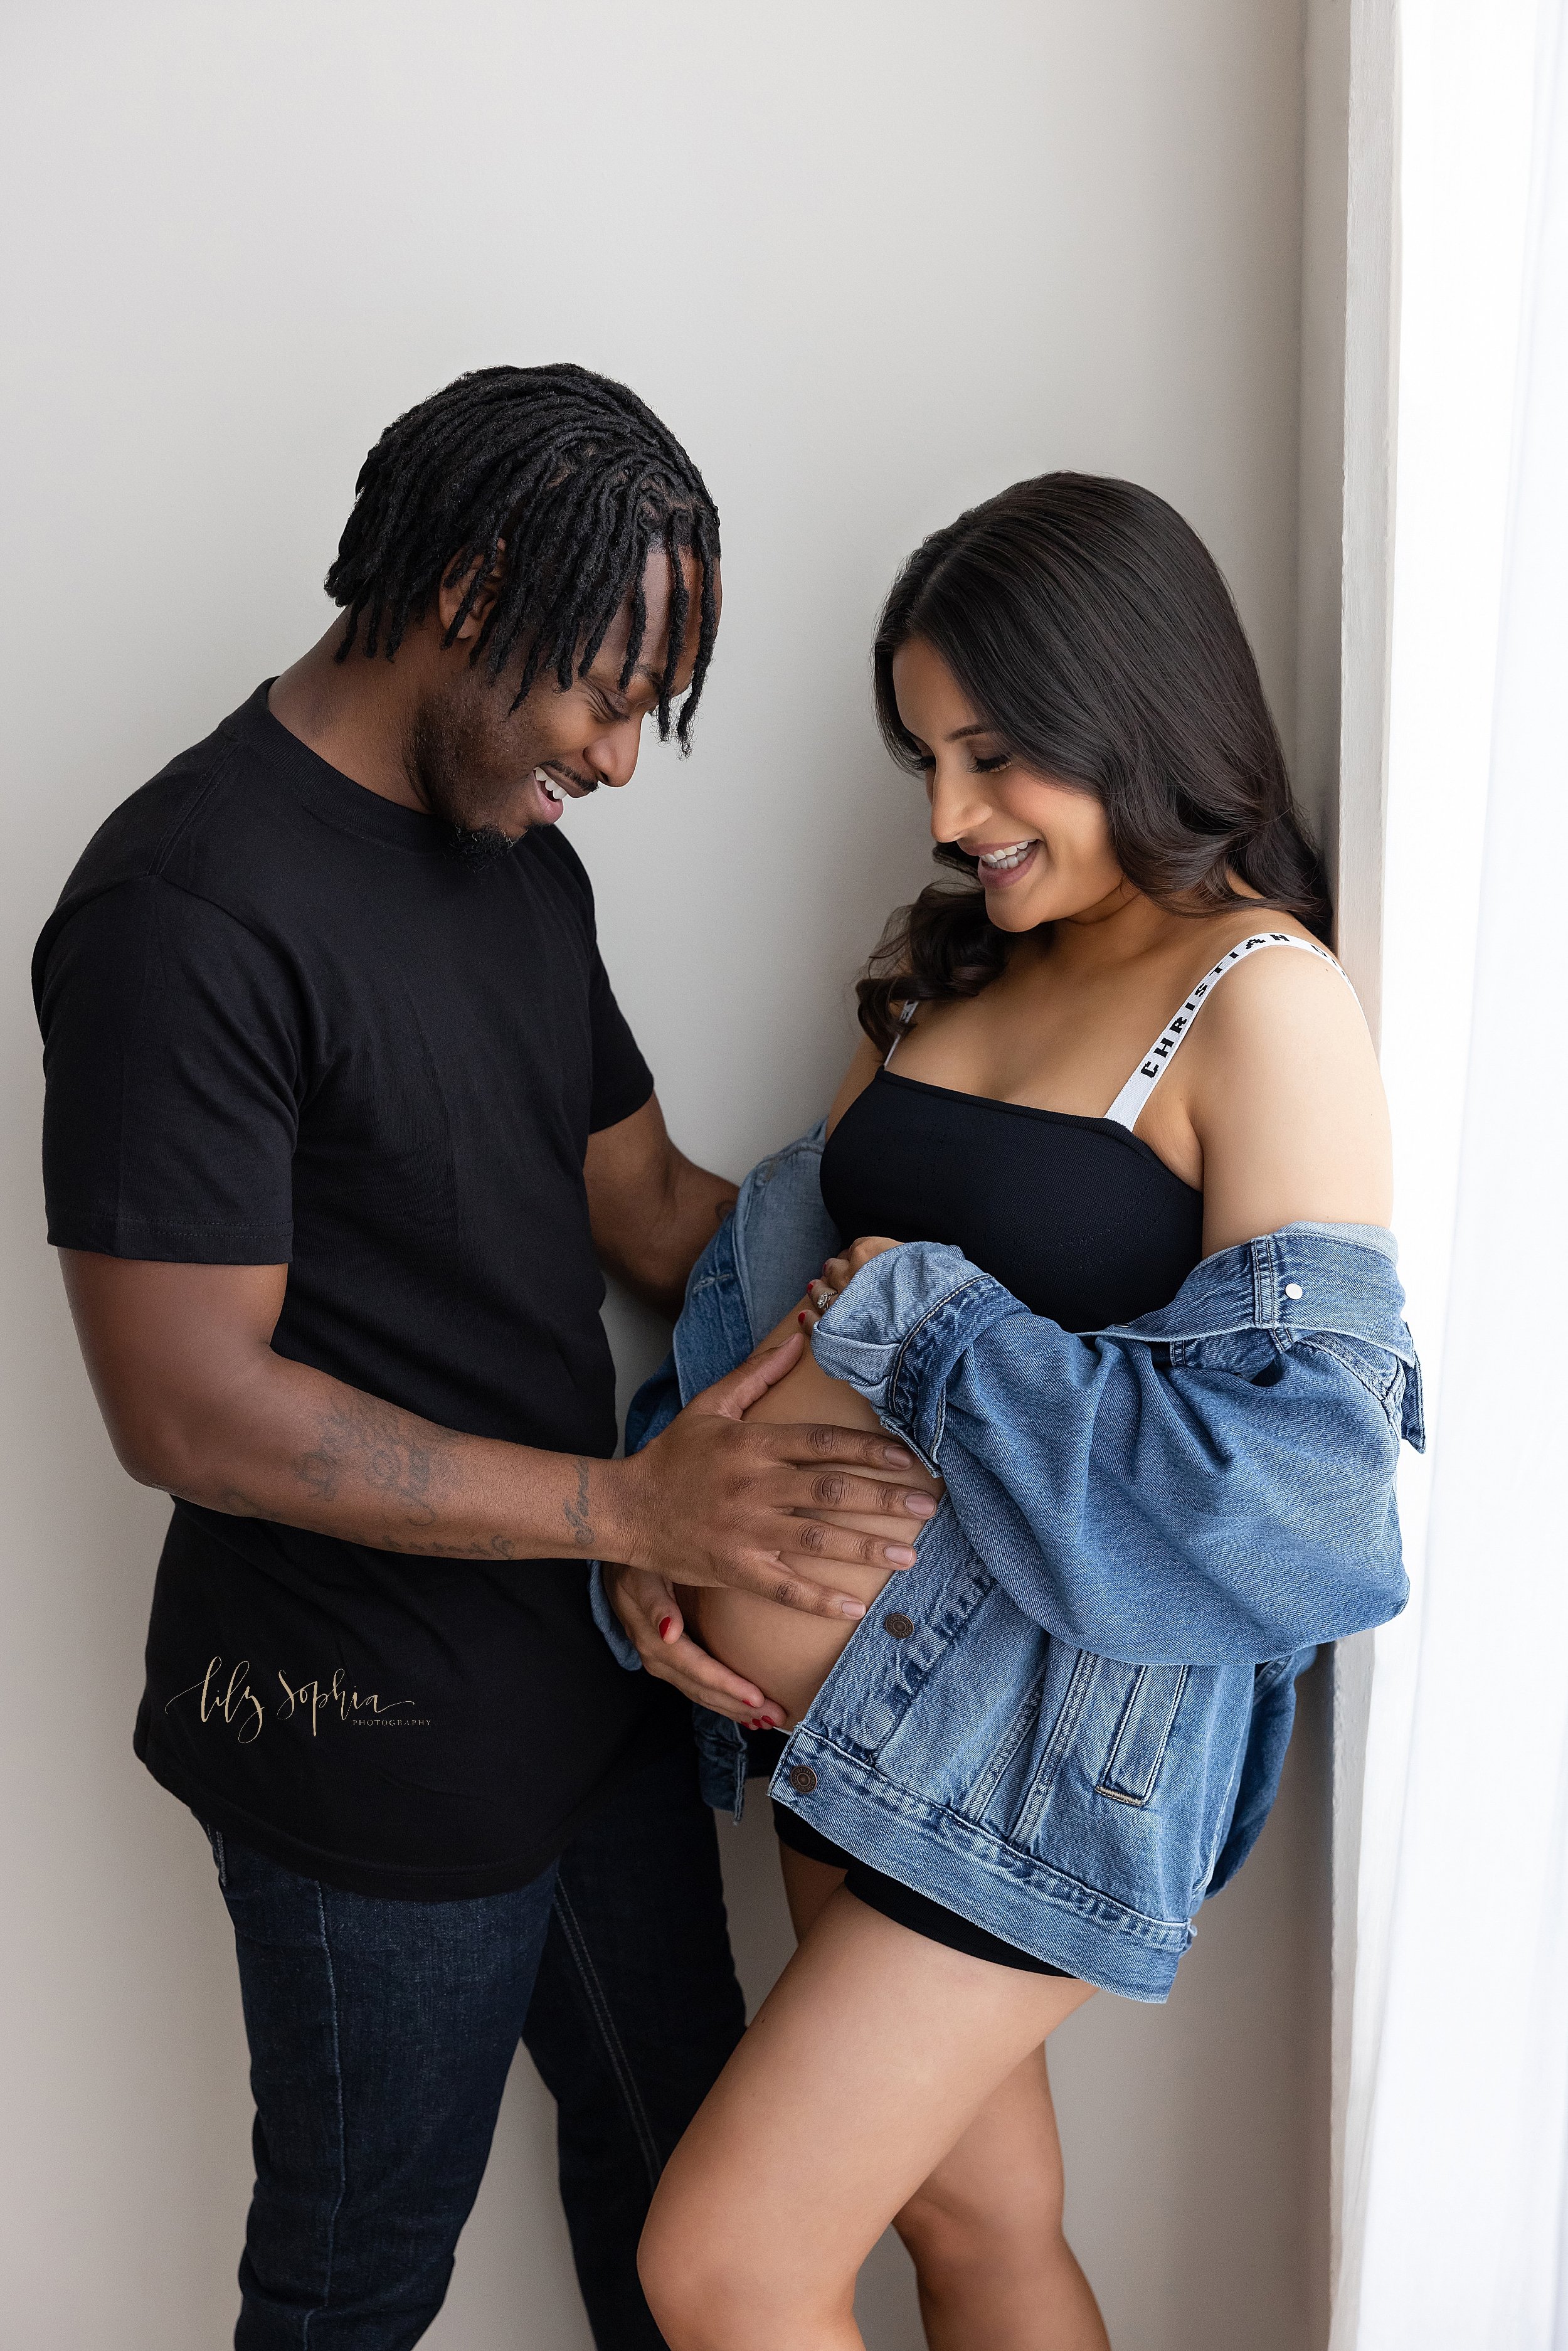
column 878, row 1892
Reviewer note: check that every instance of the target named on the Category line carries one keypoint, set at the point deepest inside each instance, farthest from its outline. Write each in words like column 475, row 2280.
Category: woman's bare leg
column 984, row 2231
column 872, row 2057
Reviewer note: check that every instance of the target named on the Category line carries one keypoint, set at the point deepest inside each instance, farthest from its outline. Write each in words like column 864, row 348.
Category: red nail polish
column 801, row 1320
column 664, row 1625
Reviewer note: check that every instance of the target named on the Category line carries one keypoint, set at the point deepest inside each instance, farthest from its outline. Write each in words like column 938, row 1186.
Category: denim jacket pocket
column 1143, row 1734
column 1104, row 1730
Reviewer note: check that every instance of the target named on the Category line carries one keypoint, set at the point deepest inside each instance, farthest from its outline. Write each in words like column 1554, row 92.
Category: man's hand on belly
column 650, row 1606
column 753, row 1508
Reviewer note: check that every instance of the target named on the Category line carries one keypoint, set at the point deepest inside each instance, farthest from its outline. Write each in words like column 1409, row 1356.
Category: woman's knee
column 711, row 2288
column 687, row 2289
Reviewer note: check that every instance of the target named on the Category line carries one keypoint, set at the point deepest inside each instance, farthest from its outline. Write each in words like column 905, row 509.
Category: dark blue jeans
column 380, row 2035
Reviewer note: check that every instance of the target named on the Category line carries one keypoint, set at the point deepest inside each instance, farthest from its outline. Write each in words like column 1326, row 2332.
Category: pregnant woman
column 1116, row 1153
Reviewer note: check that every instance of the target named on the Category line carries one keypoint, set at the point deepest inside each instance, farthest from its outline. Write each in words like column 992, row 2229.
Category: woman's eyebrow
column 977, row 727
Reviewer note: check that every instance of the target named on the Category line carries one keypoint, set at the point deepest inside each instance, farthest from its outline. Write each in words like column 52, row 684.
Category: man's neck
column 353, row 713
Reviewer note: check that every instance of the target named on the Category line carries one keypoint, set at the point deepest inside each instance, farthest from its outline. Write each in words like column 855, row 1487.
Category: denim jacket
column 1067, row 1720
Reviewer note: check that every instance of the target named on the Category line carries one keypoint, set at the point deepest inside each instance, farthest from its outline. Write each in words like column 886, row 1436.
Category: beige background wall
column 871, row 259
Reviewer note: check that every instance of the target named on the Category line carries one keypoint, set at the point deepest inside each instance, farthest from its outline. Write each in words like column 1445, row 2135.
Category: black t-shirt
column 284, row 1022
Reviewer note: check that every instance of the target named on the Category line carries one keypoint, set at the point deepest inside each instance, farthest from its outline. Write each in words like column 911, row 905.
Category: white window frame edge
column 1349, row 407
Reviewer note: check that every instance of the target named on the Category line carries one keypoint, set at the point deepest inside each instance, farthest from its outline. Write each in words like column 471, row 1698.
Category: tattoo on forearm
column 495, row 1547
column 374, row 1446
column 577, row 1515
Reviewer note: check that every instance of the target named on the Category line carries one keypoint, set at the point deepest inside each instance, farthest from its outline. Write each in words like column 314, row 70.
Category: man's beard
column 447, row 751
column 479, row 845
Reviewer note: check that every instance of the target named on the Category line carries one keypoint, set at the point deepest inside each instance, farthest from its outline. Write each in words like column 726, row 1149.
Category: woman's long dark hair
column 1089, row 625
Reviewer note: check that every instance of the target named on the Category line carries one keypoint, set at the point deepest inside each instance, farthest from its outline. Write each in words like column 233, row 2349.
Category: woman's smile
column 1008, row 862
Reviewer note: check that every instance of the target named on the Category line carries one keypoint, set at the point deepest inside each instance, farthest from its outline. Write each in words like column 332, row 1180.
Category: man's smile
column 548, row 789
column 566, row 782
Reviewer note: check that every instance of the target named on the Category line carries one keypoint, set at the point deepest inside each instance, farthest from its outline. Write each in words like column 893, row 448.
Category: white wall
column 872, row 261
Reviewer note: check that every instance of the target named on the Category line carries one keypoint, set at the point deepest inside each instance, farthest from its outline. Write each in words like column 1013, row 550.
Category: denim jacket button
column 1292, row 1290
column 802, row 1779
column 898, row 1624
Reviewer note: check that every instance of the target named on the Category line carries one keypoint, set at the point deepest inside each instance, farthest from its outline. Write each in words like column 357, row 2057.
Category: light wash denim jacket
column 1067, row 1720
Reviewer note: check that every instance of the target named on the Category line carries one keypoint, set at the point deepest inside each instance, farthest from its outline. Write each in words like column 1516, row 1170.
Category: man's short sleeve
column 622, row 1080
column 172, row 1070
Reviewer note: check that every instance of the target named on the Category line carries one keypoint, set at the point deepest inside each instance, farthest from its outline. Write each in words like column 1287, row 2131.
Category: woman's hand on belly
column 654, row 1621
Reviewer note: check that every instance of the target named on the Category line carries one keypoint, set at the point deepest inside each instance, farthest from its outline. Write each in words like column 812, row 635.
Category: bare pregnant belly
column 787, row 1654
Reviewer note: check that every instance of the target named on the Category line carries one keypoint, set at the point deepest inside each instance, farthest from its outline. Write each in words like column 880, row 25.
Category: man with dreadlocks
column 342, row 1122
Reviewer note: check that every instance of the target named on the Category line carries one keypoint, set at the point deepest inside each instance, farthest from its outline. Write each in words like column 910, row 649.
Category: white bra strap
column 1129, row 1102
column 905, row 1017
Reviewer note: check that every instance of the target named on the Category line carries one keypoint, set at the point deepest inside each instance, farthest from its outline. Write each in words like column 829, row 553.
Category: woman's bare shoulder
column 1277, row 997
column 1284, row 1094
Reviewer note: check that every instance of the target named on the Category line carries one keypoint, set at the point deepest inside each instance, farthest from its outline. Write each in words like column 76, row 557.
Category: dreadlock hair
column 1091, row 628
column 582, row 482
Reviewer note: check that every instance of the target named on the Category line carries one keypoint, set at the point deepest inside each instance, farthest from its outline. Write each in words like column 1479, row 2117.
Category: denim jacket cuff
column 895, row 1334
column 608, row 1621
